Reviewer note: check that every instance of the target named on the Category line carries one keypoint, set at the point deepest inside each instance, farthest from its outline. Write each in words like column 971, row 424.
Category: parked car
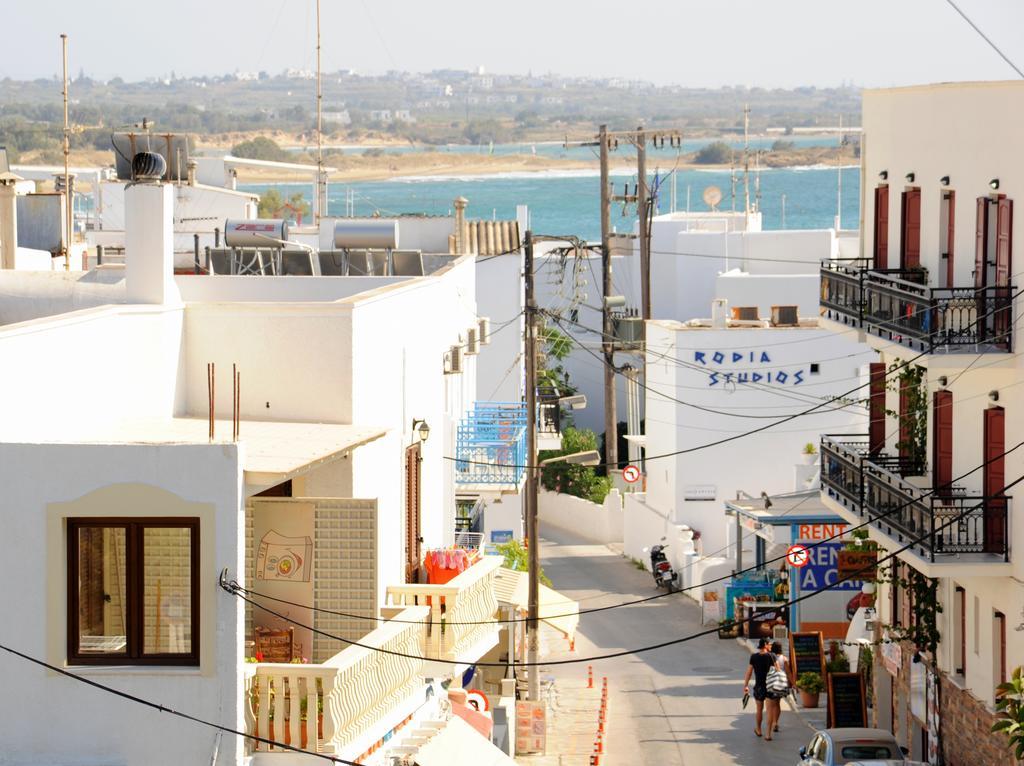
column 844, row 747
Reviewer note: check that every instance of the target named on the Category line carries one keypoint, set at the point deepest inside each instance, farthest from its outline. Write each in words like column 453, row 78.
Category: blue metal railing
column 491, row 444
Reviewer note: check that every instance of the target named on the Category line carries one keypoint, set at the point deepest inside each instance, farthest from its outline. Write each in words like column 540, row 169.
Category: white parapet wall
column 596, row 523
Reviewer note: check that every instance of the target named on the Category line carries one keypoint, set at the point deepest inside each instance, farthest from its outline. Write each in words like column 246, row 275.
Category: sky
column 705, row 43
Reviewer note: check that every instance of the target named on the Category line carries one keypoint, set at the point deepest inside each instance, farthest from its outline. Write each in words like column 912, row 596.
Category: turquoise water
column 568, row 202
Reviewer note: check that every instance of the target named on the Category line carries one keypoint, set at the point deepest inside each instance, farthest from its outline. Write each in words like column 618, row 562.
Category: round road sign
column 798, row 556
column 630, row 474
column 478, row 700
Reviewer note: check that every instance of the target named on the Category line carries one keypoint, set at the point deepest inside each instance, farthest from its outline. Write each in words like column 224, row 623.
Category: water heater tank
column 258, row 232
column 366, row 235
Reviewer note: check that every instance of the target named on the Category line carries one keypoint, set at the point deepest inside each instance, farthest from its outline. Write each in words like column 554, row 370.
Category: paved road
column 671, row 706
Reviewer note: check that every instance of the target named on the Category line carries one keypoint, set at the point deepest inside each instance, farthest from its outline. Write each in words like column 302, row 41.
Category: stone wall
column 966, row 736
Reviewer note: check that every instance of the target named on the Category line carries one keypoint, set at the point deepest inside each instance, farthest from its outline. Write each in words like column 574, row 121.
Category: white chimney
column 149, row 243
column 719, row 313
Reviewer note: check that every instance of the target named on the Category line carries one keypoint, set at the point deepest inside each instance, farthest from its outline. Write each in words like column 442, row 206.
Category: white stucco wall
column 599, row 523
column 676, row 371
column 94, row 726
column 499, row 291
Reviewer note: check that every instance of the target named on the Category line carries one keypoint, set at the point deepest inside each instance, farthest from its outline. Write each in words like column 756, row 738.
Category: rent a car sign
column 822, row 570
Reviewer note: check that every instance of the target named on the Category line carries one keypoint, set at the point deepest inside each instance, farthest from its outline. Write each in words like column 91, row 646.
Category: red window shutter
column 942, row 442
column 994, row 479
column 413, row 531
column 980, row 241
column 1004, row 234
column 950, row 236
column 910, row 238
column 881, row 227
column 876, row 408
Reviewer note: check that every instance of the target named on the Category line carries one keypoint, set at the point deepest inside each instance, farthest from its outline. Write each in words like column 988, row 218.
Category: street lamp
column 421, row 427
column 576, row 402
column 589, row 457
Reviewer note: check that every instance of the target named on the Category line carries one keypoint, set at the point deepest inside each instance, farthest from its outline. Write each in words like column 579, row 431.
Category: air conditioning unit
column 785, row 316
column 454, row 359
column 745, row 313
column 472, row 345
column 484, row 330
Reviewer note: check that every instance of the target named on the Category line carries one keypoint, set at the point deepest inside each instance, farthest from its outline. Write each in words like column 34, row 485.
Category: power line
column 164, row 709
column 235, row 586
column 643, row 649
column 986, row 38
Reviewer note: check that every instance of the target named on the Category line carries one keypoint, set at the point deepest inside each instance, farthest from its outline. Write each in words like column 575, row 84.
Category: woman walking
column 760, row 663
column 776, row 692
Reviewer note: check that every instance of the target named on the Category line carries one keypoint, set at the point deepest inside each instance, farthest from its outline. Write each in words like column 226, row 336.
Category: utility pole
column 644, row 212
column 746, row 168
column 532, row 538
column 611, row 441
column 839, row 178
column 320, row 206
column 68, row 196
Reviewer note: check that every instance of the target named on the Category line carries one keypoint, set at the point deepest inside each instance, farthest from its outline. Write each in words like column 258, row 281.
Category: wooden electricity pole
column 611, row 442
column 68, row 196
column 532, row 538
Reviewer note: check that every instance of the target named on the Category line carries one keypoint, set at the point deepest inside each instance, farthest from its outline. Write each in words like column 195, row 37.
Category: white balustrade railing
column 462, row 611
column 325, row 708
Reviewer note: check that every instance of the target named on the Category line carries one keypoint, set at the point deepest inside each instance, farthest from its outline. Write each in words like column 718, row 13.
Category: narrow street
column 672, row 706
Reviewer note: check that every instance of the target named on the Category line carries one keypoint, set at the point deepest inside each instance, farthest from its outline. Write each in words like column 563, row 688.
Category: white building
column 935, row 293
column 709, row 382
column 316, row 482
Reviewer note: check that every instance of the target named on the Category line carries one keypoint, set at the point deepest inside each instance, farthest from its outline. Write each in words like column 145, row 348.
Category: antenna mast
column 68, row 197
column 746, row 167
column 320, row 207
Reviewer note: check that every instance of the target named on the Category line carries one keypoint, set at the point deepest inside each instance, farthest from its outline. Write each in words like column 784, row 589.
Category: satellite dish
column 712, row 196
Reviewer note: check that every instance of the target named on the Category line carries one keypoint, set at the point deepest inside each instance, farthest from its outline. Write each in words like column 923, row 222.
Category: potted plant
column 810, row 453
column 810, row 686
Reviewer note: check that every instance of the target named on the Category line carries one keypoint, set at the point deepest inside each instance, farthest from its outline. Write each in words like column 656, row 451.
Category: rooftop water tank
column 372, row 235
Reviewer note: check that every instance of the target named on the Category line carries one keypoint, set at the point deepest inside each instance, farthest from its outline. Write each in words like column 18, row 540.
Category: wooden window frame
column 999, row 627
column 960, row 603
column 134, row 591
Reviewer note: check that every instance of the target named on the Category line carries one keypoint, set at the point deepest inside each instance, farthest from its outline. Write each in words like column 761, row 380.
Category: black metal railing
column 549, row 413
column 877, row 489
column 898, row 304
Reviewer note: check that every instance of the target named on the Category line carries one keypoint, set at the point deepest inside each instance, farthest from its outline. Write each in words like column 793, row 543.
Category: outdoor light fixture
column 589, row 457
column 575, row 402
column 910, row 178
column 944, row 180
column 884, row 175
column 994, row 183
column 993, row 395
column 943, row 381
column 421, row 427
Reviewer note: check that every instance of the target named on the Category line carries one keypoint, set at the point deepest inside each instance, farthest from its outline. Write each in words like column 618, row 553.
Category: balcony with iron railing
column 899, row 306
column 938, row 525
column 490, row 450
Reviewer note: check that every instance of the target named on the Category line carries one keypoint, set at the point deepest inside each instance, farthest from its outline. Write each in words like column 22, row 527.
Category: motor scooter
column 661, row 569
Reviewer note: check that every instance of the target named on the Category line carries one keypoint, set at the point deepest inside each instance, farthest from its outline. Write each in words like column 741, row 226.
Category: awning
column 459, row 744
column 558, row 611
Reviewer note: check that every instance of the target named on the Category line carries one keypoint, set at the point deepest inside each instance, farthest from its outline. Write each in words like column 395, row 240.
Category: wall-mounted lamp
column 884, row 175
column 910, row 178
column 421, row 427
column 994, row 183
column 944, row 180
column 943, row 381
column 993, row 395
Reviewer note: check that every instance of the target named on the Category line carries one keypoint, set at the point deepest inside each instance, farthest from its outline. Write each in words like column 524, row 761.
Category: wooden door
column 881, row 260
column 942, row 442
column 994, row 479
column 413, row 522
column 876, row 408
column 1001, row 309
column 910, row 230
column 980, row 241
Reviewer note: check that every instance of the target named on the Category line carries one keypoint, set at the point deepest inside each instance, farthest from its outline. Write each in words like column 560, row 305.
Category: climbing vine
column 913, row 415
column 923, row 592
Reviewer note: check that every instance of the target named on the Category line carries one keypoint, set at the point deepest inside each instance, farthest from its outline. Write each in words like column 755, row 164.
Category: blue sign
column 722, row 359
column 499, row 536
column 822, row 570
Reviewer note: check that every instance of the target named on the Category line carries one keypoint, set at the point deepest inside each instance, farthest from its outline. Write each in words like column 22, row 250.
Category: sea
column 565, row 202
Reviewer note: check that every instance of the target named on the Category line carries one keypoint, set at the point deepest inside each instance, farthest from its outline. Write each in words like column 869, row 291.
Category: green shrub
column 717, row 153
column 577, row 480
column 810, row 682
